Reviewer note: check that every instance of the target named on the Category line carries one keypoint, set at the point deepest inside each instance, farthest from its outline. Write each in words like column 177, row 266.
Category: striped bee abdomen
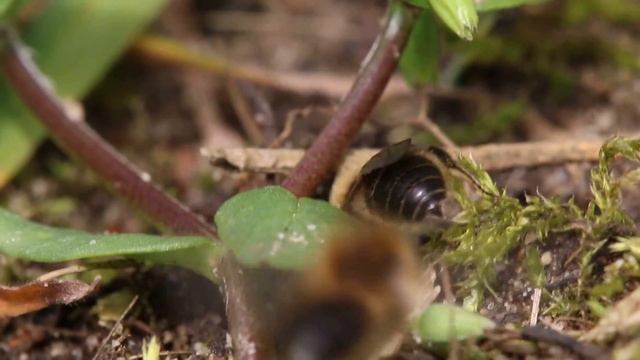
column 409, row 189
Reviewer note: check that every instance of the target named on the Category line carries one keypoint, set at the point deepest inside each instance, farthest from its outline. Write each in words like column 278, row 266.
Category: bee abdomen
column 409, row 189
column 325, row 330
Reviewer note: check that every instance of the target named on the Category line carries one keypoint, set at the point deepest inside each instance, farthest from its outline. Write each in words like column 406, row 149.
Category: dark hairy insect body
column 326, row 330
column 355, row 300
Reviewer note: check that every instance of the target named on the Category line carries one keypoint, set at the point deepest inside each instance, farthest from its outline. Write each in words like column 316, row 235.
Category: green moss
column 617, row 11
column 495, row 223
column 535, row 268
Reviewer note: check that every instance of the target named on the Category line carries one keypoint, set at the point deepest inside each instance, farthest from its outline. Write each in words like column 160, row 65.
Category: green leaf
column 459, row 15
column 4, row 5
column 271, row 226
column 419, row 3
column 201, row 259
column 442, row 323
column 419, row 61
column 31, row 241
column 492, row 5
column 74, row 42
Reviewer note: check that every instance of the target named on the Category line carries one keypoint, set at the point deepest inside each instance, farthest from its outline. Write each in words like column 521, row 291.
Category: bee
column 354, row 302
column 404, row 183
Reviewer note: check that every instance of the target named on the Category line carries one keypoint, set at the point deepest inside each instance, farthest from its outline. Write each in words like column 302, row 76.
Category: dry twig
column 244, row 113
column 535, row 306
column 170, row 52
column 424, row 121
column 493, row 157
column 115, row 326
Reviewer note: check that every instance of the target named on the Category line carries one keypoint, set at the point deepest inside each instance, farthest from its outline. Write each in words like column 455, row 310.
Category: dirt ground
column 540, row 73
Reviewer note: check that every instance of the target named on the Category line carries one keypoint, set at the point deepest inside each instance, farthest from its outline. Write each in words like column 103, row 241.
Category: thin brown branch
column 290, row 120
column 245, row 114
column 171, row 52
column 491, row 156
column 424, row 121
column 329, row 147
column 114, row 328
column 135, row 186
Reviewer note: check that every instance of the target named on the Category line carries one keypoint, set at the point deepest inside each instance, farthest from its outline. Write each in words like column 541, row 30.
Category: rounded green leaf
column 459, row 15
column 271, row 226
column 442, row 323
column 31, row 241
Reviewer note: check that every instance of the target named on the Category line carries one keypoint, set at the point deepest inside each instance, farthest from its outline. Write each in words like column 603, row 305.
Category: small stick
column 171, row 52
column 424, row 121
column 329, row 147
column 292, row 117
column 494, row 157
column 583, row 349
column 429, row 125
column 115, row 326
column 244, row 113
column 535, row 306
column 73, row 269
column 168, row 354
column 287, row 129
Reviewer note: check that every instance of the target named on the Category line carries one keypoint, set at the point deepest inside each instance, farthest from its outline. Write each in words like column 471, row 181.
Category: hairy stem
column 328, row 148
column 135, row 186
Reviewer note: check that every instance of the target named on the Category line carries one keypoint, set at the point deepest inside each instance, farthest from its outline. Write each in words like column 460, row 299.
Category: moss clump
column 493, row 224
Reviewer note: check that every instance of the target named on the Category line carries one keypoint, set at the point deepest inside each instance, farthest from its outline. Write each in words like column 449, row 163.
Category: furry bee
column 403, row 183
column 356, row 300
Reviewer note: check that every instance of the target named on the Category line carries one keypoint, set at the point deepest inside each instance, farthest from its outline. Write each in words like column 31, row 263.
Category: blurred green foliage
column 27, row 240
column 419, row 61
column 441, row 323
column 73, row 42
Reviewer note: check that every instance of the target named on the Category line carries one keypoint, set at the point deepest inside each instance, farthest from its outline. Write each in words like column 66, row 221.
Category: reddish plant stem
column 135, row 186
column 329, row 147
column 80, row 141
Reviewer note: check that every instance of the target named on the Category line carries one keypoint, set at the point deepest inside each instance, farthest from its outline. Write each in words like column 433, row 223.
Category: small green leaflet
column 419, row 61
column 27, row 240
column 492, row 5
column 202, row 259
column 443, row 323
column 459, row 15
column 270, row 226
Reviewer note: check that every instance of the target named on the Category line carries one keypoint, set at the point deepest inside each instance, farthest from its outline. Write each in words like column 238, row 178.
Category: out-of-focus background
column 185, row 74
